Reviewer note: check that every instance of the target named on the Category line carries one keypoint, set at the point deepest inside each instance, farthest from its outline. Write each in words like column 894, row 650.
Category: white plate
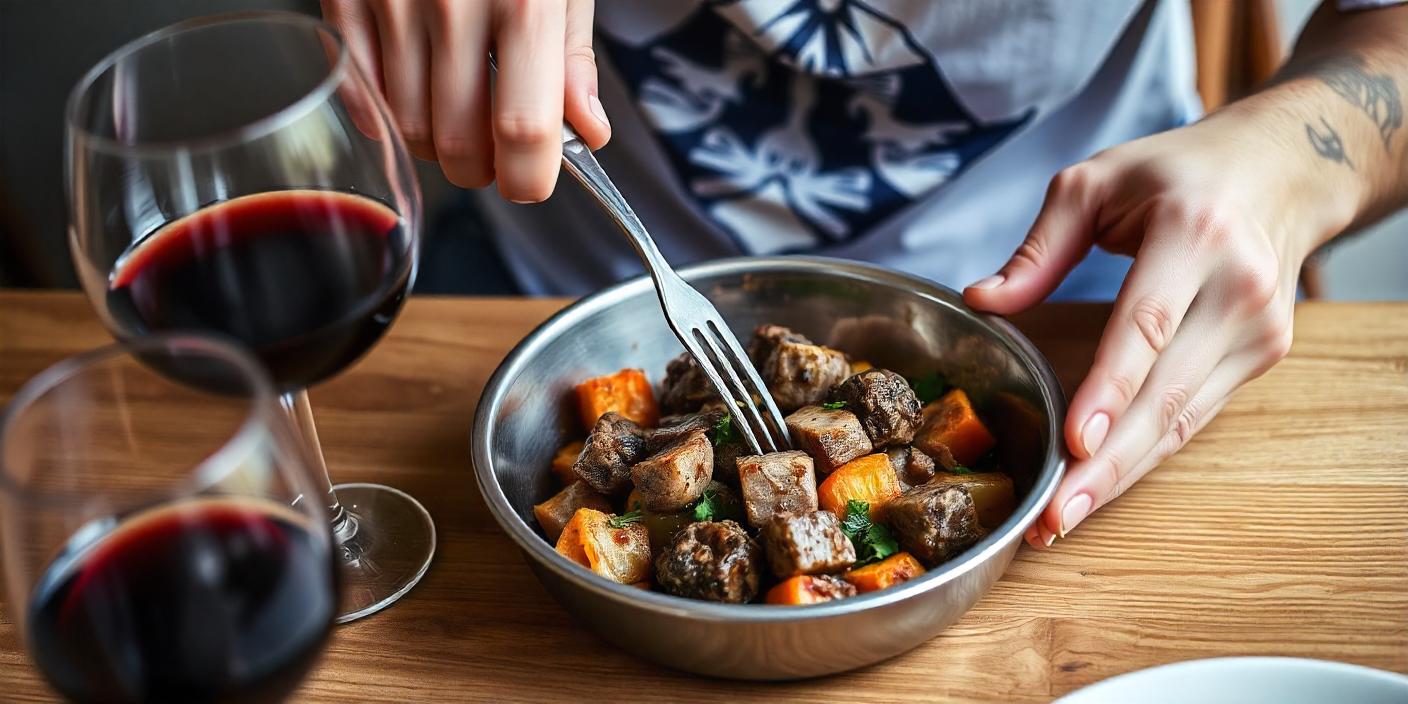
column 1248, row 681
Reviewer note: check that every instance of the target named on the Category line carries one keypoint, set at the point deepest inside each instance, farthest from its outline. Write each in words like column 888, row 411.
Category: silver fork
column 690, row 315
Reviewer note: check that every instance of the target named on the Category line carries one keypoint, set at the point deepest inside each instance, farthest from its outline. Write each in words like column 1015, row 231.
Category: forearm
column 1334, row 121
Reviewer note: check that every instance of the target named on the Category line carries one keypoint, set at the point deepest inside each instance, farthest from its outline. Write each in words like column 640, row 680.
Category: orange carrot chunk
column 952, row 432
column 626, row 392
column 870, row 479
column 564, row 459
column 897, row 568
column 809, row 589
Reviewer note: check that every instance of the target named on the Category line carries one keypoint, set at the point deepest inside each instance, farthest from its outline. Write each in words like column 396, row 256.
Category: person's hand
column 1218, row 226
column 430, row 58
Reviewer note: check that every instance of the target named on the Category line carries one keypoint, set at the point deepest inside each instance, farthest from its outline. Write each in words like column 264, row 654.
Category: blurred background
column 46, row 45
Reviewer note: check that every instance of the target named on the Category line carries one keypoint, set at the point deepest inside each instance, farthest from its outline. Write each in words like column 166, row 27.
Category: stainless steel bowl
column 893, row 320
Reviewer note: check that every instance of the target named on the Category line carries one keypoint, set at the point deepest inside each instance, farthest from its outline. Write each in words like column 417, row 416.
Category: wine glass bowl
column 239, row 175
column 158, row 538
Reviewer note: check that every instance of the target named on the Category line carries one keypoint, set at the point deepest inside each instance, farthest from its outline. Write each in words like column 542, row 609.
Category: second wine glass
column 239, row 175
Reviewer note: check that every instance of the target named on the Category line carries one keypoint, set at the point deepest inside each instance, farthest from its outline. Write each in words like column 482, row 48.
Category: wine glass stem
column 296, row 404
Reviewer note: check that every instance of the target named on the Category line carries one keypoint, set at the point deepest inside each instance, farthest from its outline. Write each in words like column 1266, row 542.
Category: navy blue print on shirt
column 807, row 128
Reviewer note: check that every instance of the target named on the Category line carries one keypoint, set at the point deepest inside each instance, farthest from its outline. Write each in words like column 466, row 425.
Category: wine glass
column 159, row 544
column 239, row 175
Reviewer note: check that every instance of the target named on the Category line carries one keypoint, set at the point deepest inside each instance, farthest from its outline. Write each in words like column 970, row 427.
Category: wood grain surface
column 1281, row 530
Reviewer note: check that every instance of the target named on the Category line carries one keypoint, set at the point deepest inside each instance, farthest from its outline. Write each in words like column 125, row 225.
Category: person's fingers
column 459, row 93
column 1059, row 239
column 354, row 21
column 528, row 98
column 1163, row 404
column 405, row 63
column 1157, row 292
column 582, row 104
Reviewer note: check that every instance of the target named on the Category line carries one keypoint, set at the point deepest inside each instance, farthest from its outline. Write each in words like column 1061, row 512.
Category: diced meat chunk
column 992, row 494
column 884, row 403
column 554, row 513
column 615, row 444
column 726, row 456
column 809, row 589
column 832, row 437
column 796, row 372
column 713, row 561
column 685, row 388
column 912, row 466
column 806, row 543
column 675, row 477
column 675, row 428
column 935, row 522
column 778, row 482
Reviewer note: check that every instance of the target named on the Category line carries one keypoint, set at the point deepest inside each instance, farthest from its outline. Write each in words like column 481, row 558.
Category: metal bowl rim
column 533, row 544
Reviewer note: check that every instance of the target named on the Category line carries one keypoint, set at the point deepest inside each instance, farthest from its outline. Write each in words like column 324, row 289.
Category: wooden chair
column 1239, row 46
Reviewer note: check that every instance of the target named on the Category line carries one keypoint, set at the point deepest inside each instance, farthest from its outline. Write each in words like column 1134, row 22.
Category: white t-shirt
column 920, row 135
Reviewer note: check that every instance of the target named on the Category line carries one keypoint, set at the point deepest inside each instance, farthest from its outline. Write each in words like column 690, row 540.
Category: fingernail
column 522, row 202
column 1047, row 537
column 990, row 282
column 1033, row 538
column 597, row 109
column 1075, row 511
column 1092, row 435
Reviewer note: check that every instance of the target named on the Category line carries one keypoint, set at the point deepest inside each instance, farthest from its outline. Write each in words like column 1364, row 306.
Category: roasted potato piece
column 713, row 561
column 935, row 522
column 870, row 479
column 778, row 482
column 618, row 554
column 626, row 392
column 992, row 494
column 615, row 444
column 832, row 437
column 897, row 568
column 884, row 403
column 808, row 589
column 564, row 459
column 673, row 478
column 806, row 543
column 952, row 432
column 554, row 513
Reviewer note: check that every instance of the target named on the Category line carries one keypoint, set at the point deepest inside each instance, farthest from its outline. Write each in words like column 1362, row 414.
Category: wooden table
column 1281, row 530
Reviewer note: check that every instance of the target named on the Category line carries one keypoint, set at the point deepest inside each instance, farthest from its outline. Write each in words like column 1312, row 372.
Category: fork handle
column 577, row 158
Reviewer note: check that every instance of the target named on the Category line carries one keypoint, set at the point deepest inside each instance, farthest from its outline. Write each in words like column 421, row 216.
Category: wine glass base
column 389, row 552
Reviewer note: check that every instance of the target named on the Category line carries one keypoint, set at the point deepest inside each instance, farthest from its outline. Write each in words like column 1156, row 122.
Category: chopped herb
column 625, row 519
column 960, row 469
column 723, row 433
column 708, row 507
column 834, row 405
column 929, row 387
column 873, row 541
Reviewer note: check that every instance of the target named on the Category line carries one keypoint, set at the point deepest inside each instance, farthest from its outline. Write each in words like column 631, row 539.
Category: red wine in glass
column 226, row 600
column 307, row 279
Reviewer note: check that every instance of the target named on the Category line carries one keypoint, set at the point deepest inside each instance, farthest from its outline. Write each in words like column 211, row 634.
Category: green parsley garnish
column 625, row 519
column 723, row 433
column 960, row 469
column 834, row 405
column 929, row 387
column 708, row 507
column 873, row 541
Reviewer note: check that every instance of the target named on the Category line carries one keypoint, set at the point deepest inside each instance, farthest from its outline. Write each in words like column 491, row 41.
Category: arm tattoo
column 1376, row 95
column 1327, row 143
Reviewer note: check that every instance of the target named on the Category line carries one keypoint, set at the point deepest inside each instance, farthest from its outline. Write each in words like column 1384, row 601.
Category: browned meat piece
column 674, row 477
column 726, row 460
column 799, row 373
column 935, row 521
column 884, row 403
column 911, row 465
column 685, row 388
column 832, row 437
column 806, row 543
column 713, row 561
column 766, row 338
column 554, row 513
column 614, row 445
column 779, row 482
column 672, row 429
